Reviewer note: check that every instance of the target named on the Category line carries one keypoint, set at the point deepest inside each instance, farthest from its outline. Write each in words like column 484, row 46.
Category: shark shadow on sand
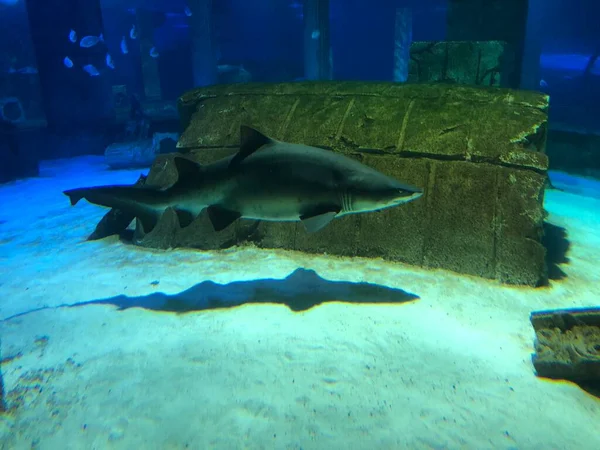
column 557, row 247
column 300, row 291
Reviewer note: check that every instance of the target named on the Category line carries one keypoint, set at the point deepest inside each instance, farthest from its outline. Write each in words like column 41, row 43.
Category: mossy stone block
column 477, row 152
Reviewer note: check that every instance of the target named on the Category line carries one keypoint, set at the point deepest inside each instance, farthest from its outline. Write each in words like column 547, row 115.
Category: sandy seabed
column 451, row 369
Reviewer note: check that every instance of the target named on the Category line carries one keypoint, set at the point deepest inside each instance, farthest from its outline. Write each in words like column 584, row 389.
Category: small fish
column 234, row 74
column 72, row 36
column 543, row 83
column 133, row 33
column 187, row 11
column 315, row 34
column 68, row 62
column 28, row 70
column 109, row 61
column 90, row 41
column 91, row 70
column 223, row 68
column 124, row 48
column 154, row 53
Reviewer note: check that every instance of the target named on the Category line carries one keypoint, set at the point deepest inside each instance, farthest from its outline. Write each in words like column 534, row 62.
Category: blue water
column 109, row 345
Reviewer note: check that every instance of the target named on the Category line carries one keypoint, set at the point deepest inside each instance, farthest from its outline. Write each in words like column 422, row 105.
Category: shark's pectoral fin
column 221, row 218
column 319, row 219
column 250, row 141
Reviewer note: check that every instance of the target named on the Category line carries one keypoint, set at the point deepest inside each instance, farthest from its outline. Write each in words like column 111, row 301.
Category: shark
column 267, row 179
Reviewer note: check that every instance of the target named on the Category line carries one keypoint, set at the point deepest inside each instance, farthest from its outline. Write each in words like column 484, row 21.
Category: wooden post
column 317, row 46
column 150, row 74
column 204, row 62
column 402, row 42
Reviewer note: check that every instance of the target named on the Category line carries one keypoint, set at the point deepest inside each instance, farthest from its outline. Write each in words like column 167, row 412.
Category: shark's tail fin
column 143, row 203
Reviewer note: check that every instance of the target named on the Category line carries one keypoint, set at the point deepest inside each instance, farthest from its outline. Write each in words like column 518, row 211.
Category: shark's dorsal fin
column 250, row 141
column 187, row 170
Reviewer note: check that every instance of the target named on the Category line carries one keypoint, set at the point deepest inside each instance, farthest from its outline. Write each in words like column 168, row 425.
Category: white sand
column 449, row 370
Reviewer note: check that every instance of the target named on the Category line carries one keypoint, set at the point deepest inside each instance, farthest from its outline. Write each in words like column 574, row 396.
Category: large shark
column 267, row 180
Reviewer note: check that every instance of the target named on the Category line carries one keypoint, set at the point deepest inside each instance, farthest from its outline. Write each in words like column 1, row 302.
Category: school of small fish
column 91, row 41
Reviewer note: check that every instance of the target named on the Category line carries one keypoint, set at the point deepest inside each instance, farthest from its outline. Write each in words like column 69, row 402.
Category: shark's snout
column 409, row 195
column 403, row 193
column 409, row 192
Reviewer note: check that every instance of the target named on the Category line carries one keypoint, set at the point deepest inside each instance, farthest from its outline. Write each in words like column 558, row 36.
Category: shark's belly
column 283, row 203
column 270, row 210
